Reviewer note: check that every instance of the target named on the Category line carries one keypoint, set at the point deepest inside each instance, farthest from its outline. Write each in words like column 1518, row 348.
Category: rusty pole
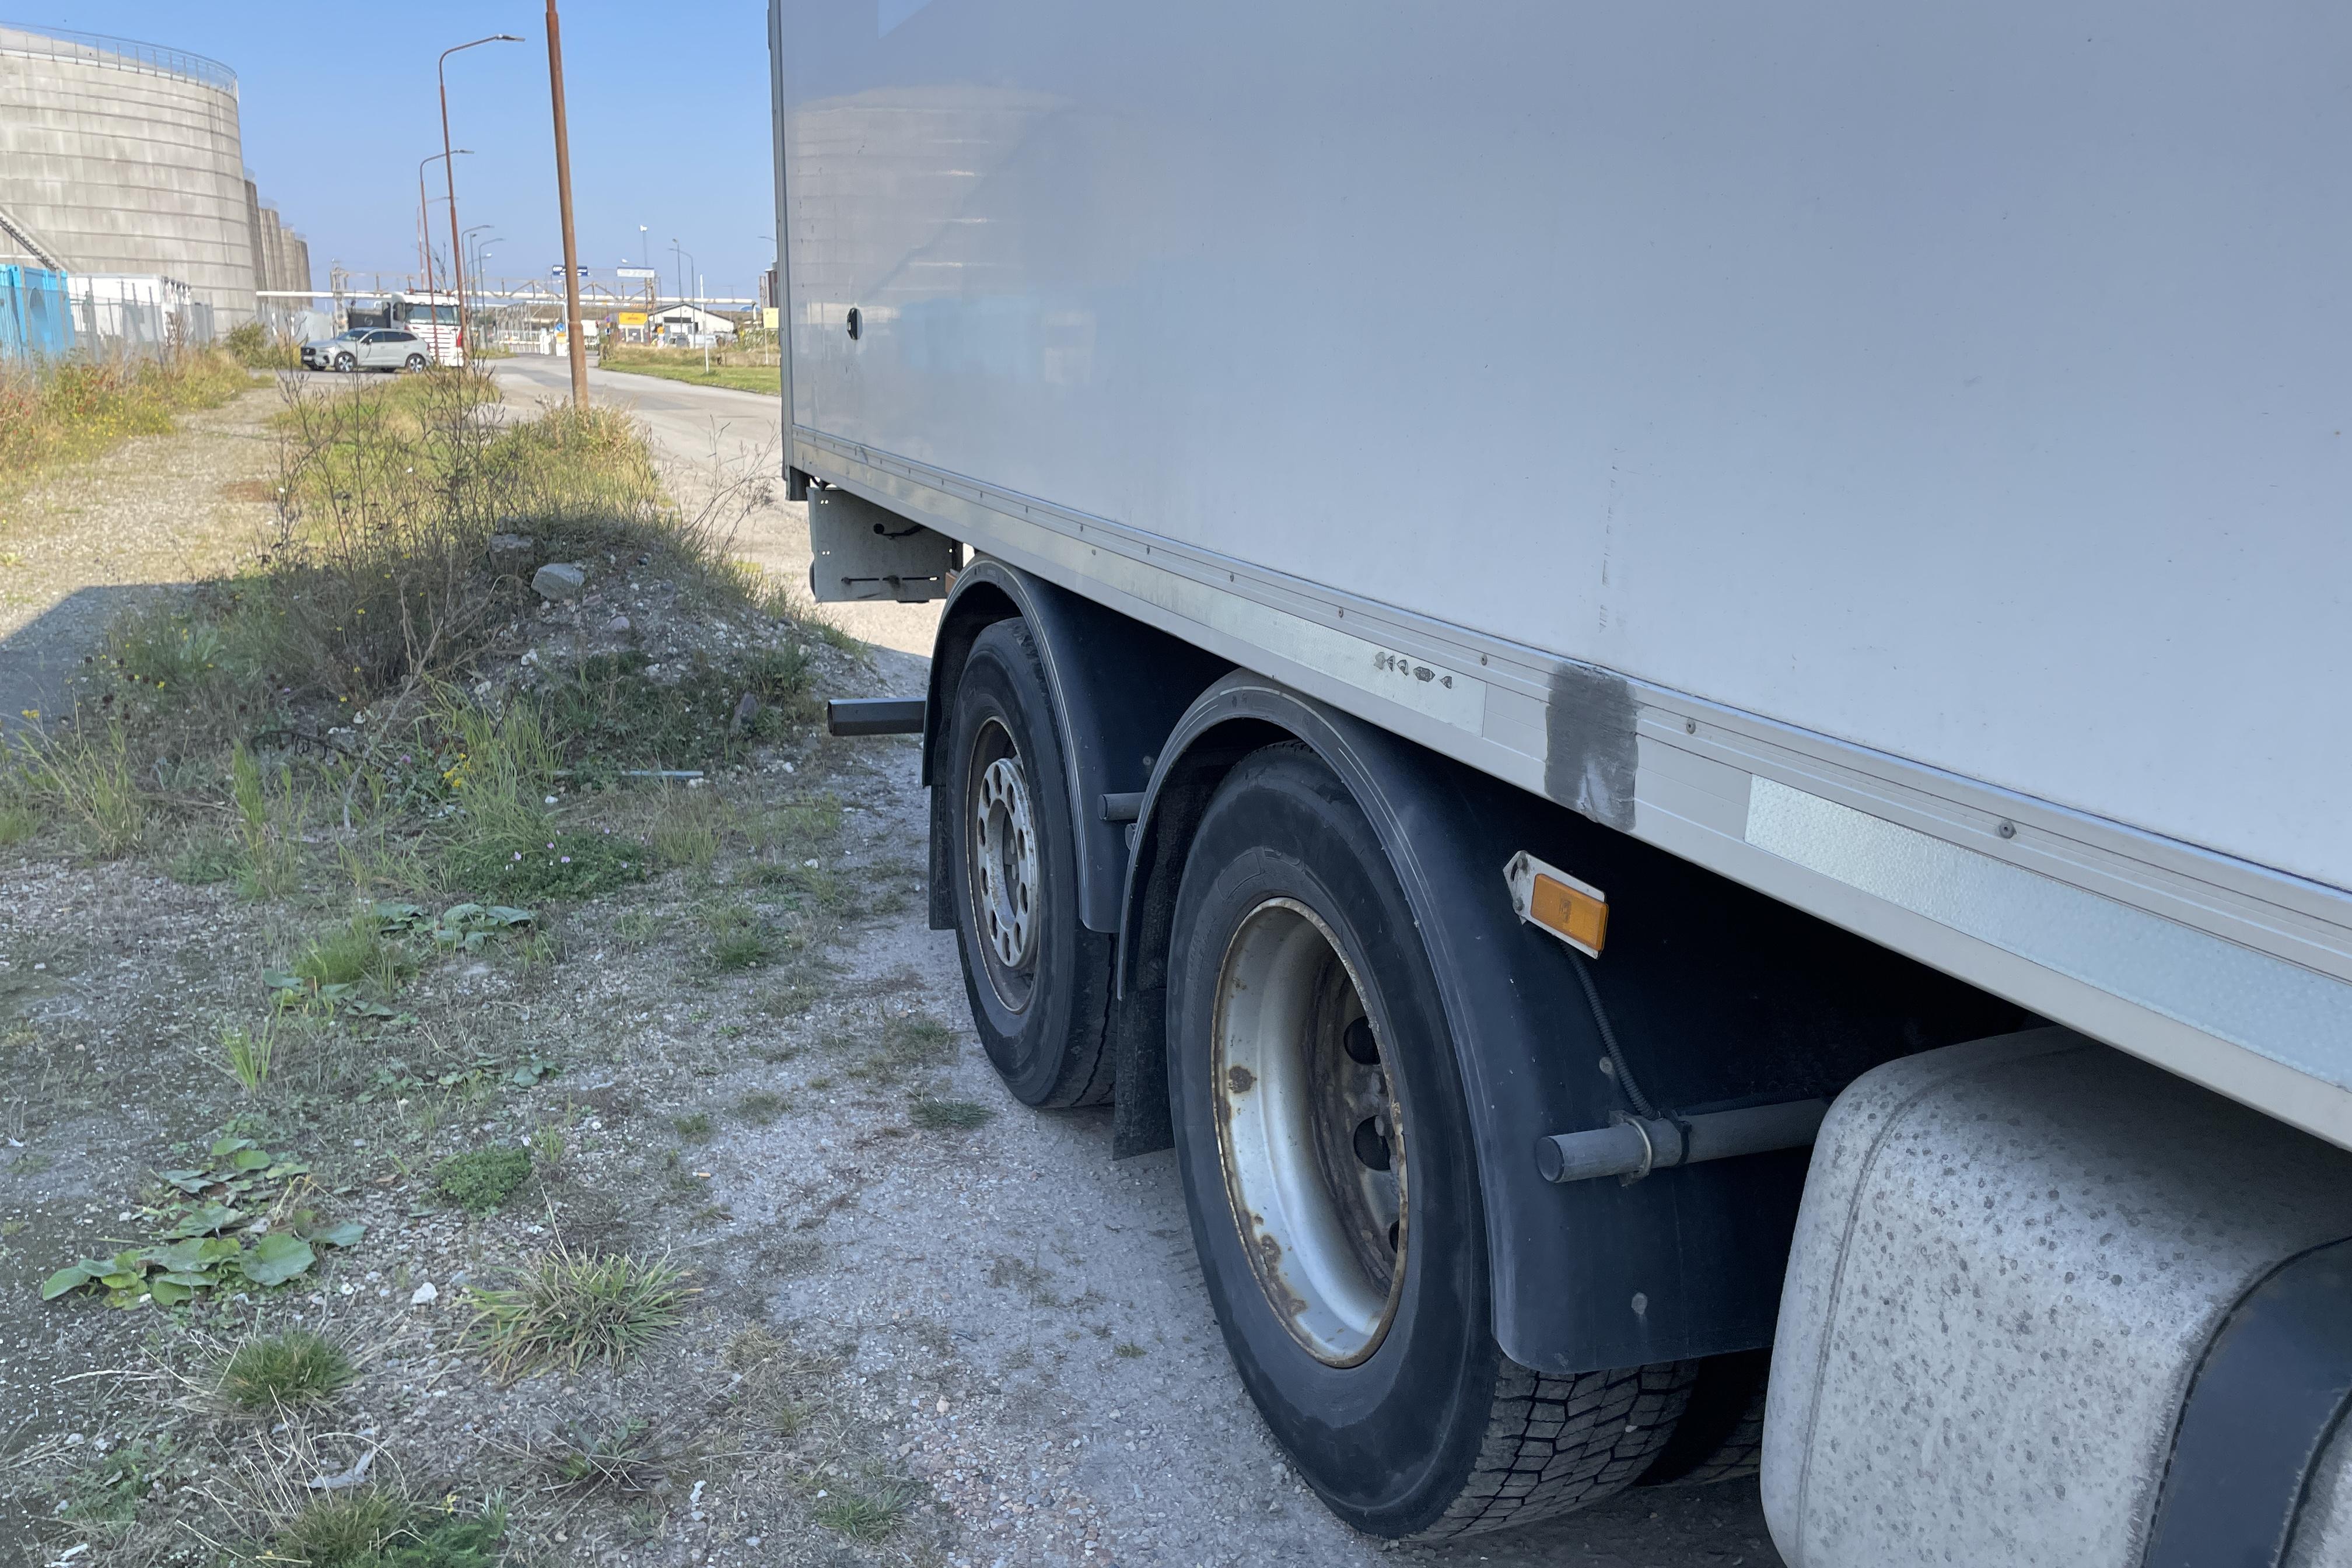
column 573, row 335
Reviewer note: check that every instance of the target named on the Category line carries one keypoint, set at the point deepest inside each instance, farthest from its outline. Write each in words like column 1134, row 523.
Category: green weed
column 206, row 859
column 949, row 1115
column 247, row 1054
column 572, row 1308
column 571, row 865
column 377, row 1529
column 84, row 775
column 481, row 1179
column 761, row 1108
column 297, row 1367
column 695, row 1126
column 867, row 1511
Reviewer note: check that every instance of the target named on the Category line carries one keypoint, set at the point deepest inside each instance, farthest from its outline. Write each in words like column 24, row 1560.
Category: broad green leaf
column 399, row 917
column 71, row 1277
column 228, row 1146
column 188, row 1180
column 125, row 1282
column 278, row 980
column 204, row 1221
column 190, row 1254
column 192, row 1280
column 278, row 1257
column 171, row 1292
column 249, row 1159
column 459, row 914
column 346, row 1232
column 508, row 915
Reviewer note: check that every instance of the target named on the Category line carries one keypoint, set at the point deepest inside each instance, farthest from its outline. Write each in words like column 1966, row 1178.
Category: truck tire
column 1039, row 983
column 1721, row 1435
column 1326, row 1150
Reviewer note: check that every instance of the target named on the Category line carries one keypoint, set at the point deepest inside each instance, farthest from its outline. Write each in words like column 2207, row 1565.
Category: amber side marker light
column 1575, row 911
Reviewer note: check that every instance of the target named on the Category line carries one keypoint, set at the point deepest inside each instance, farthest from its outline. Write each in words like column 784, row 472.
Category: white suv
column 369, row 348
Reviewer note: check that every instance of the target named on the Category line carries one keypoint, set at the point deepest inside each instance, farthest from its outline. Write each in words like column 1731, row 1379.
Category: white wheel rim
column 1004, row 864
column 1310, row 1137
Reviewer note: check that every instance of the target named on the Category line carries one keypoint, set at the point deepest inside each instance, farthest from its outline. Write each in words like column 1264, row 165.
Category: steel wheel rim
column 1309, row 1133
column 1002, row 855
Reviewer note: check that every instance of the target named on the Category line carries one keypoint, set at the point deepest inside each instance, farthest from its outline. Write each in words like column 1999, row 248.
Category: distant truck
column 431, row 317
column 1668, row 686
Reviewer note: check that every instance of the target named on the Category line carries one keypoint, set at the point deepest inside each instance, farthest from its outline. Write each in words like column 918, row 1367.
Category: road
column 1175, row 1463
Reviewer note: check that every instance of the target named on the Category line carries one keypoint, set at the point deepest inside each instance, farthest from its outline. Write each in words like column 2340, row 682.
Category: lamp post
column 684, row 265
column 425, row 227
column 456, row 259
column 474, row 252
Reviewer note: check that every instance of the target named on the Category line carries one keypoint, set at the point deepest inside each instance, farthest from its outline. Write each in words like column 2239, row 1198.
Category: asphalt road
column 1205, row 1487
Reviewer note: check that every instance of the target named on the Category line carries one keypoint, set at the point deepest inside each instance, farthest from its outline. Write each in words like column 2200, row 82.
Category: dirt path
column 78, row 548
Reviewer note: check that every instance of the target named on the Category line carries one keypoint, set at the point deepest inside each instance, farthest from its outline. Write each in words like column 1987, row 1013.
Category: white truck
column 1547, row 607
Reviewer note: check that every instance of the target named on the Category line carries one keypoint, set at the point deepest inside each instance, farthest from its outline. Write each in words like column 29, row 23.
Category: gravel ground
column 997, row 1329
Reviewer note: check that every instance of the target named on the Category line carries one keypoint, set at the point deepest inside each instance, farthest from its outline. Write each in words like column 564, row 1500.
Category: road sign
column 631, row 319
column 639, row 272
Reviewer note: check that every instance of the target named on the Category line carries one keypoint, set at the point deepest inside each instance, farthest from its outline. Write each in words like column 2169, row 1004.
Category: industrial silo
column 122, row 157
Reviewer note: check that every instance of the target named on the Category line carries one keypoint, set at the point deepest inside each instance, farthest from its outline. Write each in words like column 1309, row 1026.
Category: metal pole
column 425, row 229
column 456, row 245
column 425, row 223
column 573, row 336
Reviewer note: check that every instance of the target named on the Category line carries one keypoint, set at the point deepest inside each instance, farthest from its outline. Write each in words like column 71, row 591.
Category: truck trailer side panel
column 1894, row 458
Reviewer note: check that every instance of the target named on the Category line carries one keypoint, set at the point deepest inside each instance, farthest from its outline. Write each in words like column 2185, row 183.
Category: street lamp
column 474, row 252
column 440, row 73
column 683, row 267
column 425, row 227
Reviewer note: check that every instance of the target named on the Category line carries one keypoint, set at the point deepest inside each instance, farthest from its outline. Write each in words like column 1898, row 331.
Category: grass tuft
column 376, row 1528
column 572, row 1308
column 247, row 1054
column 294, row 1368
column 867, row 1511
column 949, row 1115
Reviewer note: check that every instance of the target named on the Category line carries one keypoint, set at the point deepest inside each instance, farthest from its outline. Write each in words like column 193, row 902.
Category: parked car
column 368, row 348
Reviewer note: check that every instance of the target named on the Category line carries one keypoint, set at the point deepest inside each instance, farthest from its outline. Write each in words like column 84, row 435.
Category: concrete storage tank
column 121, row 157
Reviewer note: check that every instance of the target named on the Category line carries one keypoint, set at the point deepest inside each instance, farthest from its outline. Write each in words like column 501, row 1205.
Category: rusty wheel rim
column 1309, row 1133
column 1003, row 870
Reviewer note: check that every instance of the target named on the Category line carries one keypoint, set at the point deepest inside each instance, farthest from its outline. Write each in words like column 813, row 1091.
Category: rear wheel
column 1327, row 1156
column 1038, row 981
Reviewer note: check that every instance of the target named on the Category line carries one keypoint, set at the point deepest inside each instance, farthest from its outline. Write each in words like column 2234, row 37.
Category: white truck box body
column 1936, row 416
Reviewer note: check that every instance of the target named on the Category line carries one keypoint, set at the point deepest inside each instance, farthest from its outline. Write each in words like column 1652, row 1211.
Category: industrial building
column 125, row 160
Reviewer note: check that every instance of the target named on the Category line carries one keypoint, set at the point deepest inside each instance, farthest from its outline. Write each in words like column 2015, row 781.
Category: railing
column 121, row 54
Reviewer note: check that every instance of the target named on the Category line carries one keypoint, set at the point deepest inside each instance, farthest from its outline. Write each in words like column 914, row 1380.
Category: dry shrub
column 63, row 411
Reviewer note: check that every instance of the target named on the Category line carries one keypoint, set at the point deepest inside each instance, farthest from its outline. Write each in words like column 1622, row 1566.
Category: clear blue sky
column 668, row 107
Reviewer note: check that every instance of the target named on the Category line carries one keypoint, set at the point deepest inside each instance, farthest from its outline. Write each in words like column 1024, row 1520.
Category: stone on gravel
column 510, row 551
column 557, row 580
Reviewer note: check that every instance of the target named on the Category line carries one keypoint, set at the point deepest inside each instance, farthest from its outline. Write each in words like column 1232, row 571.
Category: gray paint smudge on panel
column 1589, row 746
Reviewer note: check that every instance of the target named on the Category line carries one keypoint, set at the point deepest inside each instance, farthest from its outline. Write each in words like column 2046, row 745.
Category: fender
column 1716, row 993
column 1117, row 687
